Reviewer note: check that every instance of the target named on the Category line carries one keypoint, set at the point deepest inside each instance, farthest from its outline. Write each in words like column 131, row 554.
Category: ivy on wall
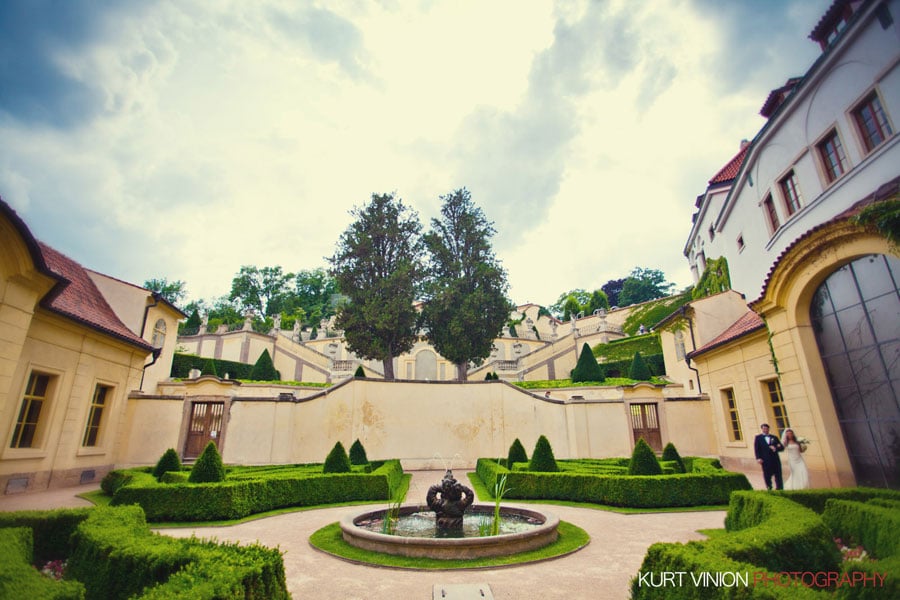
column 884, row 217
column 715, row 279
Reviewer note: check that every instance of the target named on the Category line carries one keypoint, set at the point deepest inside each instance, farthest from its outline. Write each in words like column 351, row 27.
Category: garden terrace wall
column 236, row 499
column 655, row 491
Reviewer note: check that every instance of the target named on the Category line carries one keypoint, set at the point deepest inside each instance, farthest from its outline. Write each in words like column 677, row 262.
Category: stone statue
column 277, row 320
column 449, row 500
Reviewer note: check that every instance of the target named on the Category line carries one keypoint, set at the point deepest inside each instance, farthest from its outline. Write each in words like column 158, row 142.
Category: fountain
column 457, row 530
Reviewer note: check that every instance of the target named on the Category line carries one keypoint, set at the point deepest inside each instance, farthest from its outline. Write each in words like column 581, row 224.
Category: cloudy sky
column 184, row 139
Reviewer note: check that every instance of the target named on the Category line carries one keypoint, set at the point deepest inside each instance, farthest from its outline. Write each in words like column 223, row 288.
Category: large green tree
column 642, row 285
column 465, row 291
column 377, row 265
column 172, row 291
column 612, row 289
column 259, row 289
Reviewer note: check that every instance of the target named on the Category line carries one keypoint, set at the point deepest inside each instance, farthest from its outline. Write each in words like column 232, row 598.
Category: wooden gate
column 206, row 425
column 645, row 424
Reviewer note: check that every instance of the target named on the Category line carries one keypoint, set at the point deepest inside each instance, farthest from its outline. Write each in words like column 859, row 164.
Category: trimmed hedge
column 337, row 460
column 690, row 489
column 621, row 368
column 542, row 459
column 587, row 368
column 643, row 460
column 183, row 363
column 51, row 529
column 766, row 534
column 670, row 453
column 117, row 556
column 169, row 461
column 209, row 467
column 234, row 499
column 358, row 454
column 19, row 579
column 516, row 453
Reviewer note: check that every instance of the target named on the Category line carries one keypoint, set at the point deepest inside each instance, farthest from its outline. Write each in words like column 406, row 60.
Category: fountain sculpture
column 449, row 500
column 450, row 533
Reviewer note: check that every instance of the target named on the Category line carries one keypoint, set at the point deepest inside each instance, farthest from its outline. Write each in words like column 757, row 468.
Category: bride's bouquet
column 804, row 443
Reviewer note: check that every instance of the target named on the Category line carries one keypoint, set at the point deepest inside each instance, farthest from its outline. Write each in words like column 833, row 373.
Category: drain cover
column 462, row 591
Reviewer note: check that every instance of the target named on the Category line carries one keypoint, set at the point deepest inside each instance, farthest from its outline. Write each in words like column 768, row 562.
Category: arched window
column 679, row 345
column 426, row 365
column 855, row 315
column 159, row 334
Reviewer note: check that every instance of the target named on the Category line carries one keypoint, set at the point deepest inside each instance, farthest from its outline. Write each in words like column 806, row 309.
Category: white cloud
column 242, row 133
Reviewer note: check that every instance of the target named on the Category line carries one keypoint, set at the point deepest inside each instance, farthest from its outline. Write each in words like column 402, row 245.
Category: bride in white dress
column 799, row 479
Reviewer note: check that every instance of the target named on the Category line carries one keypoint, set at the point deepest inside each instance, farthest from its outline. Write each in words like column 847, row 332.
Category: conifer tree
column 542, row 459
column 360, row 372
column 358, row 454
column 209, row 467
column 587, row 368
column 671, row 453
column 639, row 370
column 169, row 461
column 209, row 367
column 337, row 460
column 516, row 454
column 264, row 369
column 643, row 460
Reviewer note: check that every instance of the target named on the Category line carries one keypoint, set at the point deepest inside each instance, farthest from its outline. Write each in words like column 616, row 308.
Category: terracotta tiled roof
column 888, row 190
column 748, row 323
column 76, row 297
column 777, row 97
column 730, row 171
column 837, row 9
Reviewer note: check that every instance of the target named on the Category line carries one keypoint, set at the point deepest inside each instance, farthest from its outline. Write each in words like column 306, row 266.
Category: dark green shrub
column 358, row 454
column 671, row 453
column 360, row 372
column 639, row 370
column 337, row 460
column 169, row 461
column 516, row 453
column 19, row 579
column 542, row 459
column 587, row 368
column 209, row 368
column 488, row 376
column 209, row 467
column 264, row 369
column 115, row 555
column 115, row 479
column 643, row 460
column 50, row 530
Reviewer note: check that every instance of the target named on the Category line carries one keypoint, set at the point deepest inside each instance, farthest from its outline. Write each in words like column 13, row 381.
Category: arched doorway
column 426, row 365
column 855, row 316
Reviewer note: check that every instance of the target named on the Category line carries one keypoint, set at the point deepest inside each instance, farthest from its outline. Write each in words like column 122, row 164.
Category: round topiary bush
column 358, row 454
column 337, row 460
column 169, row 461
column 209, row 467
column 643, row 460
column 639, row 369
column 516, row 454
column 542, row 459
column 671, row 453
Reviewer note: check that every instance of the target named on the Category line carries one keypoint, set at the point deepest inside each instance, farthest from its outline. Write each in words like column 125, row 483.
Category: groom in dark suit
column 767, row 447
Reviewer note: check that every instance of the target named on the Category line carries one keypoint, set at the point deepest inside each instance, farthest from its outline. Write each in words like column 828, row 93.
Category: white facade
column 862, row 62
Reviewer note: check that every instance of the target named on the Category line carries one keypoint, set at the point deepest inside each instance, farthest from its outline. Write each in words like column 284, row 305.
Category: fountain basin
column 543, row 533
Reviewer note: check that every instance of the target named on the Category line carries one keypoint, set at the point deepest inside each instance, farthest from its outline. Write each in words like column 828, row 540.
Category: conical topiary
column 360, row 372
column 671, row 453
column 643, row 460
column 209, row 368
column 264, row 370
column 488, row 376
column 639, row 370
column 169, row 461
column 542, row 459
column 587, row 368
column 516, row 454
column 209, row 467
column 358, row 454
column 193, row 322
column 337, row 460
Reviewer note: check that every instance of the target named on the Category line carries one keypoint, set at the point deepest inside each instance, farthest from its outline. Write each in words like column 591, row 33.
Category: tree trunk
column 462, row 371
column 388, row 364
